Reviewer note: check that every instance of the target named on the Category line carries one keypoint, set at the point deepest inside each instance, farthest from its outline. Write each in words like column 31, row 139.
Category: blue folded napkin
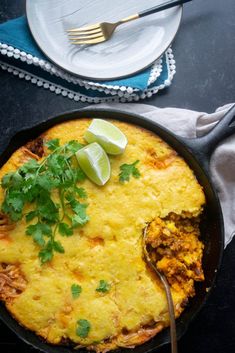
column 20, row 54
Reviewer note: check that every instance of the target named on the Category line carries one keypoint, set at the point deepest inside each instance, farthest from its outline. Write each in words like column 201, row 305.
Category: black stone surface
column 204, row 51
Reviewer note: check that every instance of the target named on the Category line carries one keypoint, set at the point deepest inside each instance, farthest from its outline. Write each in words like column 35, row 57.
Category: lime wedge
column 107, row 135
column 95, row 163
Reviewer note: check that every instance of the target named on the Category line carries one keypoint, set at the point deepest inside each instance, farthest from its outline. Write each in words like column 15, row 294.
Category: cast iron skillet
column 196, row 153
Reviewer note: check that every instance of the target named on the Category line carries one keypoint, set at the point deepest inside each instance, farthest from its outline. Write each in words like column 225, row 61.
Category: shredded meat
column 5, row 225
column 36, row 147
column 12, row 282
column 176, row 249
column 33, row 149
column 126, row 339
column 27, row 154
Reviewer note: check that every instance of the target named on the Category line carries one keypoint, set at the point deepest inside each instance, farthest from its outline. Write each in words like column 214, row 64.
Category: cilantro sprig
column 103, row 287
column 76, row 290
column 83, row 328
column 36, row 184
column 128, row 170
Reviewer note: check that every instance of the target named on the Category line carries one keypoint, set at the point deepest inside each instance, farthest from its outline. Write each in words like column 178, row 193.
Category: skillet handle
column 203, row 146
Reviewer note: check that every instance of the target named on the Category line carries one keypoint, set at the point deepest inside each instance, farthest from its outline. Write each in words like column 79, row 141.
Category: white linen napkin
column 188, row 123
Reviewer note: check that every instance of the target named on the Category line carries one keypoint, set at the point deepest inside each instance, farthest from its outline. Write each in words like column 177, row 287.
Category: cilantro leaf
column 47, row 208
column 76, row 290
column 81, row 192
column 6, row 208
column 16, row 216
column 57, row 246
column 30, row 191
column 12, row 179
column 47, row 182
column 53, row 144
column 73, row 146
column 80, row 217
column 37, row 231
column 80, row 175
column 17, row 181
column 13, row 204
column 65, row 230
column 103, row 287
column 46, row 254
column 57, row 164
column 31, row 215
column 30, row 181
column 78, row 221
column 71, row 199
column 128, row 170
column 83, row 328
column 69, row 178
column 30, row 166
column 14, row 199
column 42, row 227
column 6, row 180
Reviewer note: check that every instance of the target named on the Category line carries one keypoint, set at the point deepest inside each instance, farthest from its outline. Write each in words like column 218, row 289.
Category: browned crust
column 160, row 161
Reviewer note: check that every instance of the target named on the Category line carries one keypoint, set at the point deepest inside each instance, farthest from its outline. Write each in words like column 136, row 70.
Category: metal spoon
column 166, row 286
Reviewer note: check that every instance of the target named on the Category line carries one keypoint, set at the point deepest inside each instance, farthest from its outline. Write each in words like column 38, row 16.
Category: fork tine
column 80, row 33
column 85, row 37
column 92, row 41
column 86, row 28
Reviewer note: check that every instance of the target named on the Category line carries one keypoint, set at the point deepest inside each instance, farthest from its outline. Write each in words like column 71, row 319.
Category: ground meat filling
column 36, row 147
column 12, row 282
column 175, row 247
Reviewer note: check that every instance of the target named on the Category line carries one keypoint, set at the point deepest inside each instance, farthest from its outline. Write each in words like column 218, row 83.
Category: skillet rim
column 29, row 336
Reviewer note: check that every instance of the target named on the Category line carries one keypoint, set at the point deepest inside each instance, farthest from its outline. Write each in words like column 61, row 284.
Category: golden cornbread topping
column 98, row 292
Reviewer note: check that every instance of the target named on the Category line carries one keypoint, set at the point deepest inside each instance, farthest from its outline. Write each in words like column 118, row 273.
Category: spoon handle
column 161, row 7
column 167, row 289
column 170, row 304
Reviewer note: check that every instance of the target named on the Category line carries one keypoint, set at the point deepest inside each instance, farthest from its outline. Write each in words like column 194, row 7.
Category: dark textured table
column 204, row 51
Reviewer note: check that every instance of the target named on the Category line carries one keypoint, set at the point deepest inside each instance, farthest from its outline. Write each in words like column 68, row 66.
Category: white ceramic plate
column 133, row 47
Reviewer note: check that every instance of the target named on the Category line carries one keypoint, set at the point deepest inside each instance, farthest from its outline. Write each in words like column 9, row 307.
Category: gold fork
column 100, row 32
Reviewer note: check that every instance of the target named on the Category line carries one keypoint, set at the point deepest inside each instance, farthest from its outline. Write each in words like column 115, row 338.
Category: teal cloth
column 16, row 33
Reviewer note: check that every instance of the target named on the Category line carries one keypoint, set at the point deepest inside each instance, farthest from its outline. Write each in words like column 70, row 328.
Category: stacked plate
column 133, row 47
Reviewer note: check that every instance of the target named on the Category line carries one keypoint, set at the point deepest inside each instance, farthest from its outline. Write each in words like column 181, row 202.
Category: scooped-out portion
column 177, row 251
column 71, row 264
